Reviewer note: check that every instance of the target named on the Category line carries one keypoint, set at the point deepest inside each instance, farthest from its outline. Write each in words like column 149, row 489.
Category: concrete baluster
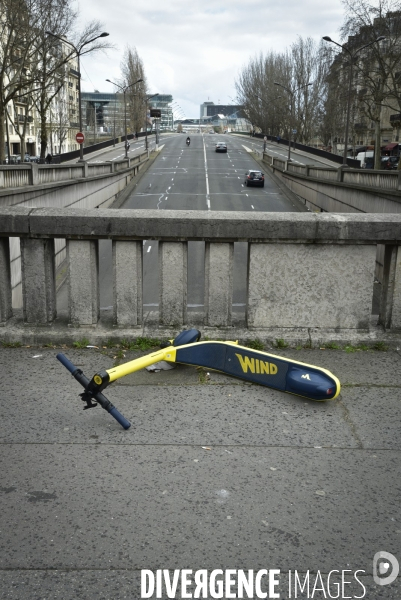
column 218, row 284
column 5, row 281
column 33, row 174
column 83, row 282
column 390, row 302
column 173, row 257
column 38, row 281
column 127, row 281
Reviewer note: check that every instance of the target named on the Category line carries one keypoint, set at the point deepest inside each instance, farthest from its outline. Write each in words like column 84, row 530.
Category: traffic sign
column 294, row 131
column 80, row 137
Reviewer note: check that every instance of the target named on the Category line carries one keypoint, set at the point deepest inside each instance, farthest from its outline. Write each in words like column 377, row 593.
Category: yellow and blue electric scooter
column 276, row 372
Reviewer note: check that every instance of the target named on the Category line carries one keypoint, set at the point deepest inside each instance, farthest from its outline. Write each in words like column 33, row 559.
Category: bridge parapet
column 308, row 274
column 341, row 189
column 31, row 174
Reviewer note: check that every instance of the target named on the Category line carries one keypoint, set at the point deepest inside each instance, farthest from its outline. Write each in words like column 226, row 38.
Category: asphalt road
column 196, row 178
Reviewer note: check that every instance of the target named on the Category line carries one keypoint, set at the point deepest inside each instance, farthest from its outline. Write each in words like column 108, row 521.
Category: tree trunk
column 2, row 134
column 377, row 164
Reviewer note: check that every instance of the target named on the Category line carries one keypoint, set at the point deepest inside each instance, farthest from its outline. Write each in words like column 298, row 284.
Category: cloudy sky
column 194, row 49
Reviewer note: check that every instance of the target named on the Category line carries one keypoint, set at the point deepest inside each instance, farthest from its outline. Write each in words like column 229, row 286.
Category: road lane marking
column 207, row 179
column 149, row 249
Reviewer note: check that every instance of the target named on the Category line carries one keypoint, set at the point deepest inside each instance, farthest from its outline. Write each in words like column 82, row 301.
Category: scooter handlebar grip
column 120, row 418
column 67, row 363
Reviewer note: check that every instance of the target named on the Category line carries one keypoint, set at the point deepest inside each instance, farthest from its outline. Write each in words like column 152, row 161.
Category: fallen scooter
column 291, row 376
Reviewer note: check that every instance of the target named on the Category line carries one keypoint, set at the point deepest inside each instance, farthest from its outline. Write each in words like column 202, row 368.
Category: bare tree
column 54, row 56
column 277, row 110
column 377, row 68
column 132, row 69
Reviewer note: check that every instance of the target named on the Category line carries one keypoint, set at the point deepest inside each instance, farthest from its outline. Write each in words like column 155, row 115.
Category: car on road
column 253, row 177
column 221, row 147
column 389, row 162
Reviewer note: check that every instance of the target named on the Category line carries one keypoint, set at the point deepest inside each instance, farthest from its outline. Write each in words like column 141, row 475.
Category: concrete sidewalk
column 213, row 474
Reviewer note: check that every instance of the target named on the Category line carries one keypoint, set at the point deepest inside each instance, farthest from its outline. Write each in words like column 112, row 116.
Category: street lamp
column 78, row 52
column 292, row 94
column 124, row 89
column 146, row 118
column 352, row 55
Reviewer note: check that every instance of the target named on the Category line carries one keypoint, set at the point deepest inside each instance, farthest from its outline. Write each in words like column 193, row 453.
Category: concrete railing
column 389, row 180
column 341, row 189
column 309, row 275
column 30, row 174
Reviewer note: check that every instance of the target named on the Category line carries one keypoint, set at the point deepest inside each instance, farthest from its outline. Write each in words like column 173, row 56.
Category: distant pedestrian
column 49, row 158
column 278, row 139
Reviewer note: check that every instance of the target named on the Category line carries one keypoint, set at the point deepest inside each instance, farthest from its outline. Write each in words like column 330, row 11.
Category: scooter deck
column 254, row 366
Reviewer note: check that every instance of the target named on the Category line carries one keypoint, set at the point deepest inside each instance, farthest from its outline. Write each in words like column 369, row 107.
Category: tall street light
column 352, row 56
column 292, row 94
column 78, row 52
column 124, row 89
column 146, row 118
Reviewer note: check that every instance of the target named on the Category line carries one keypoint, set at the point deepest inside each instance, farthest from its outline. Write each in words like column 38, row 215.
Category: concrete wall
column 310, row 276
column 81, row 185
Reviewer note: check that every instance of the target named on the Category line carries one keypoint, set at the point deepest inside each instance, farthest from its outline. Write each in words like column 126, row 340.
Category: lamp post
column 78, row 52
column 292, row 94
column 146, row 118
column 352, row 56
column 124, row 89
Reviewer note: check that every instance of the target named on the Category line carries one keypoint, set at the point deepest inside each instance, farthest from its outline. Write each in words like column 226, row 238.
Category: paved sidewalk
column 213, row 474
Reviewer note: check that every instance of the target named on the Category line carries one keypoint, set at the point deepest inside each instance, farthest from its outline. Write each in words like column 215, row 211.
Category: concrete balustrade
column 308, row 274
column 34, row 174
column 341, row 189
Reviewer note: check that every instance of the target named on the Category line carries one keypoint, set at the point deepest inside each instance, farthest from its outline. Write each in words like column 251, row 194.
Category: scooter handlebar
column 120, row 418
column 98, row 396
column 67, row 363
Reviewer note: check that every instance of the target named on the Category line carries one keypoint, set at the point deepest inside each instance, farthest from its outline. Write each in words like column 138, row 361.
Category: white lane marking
column 253, row 207
column 149, row 249
column 246, row 194
column 160, row 199
column 206, row 176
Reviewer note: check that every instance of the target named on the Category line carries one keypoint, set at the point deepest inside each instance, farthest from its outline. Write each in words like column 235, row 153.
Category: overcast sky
column 194, row 49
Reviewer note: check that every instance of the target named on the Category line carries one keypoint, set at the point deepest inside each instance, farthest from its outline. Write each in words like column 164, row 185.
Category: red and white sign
column 80, row 137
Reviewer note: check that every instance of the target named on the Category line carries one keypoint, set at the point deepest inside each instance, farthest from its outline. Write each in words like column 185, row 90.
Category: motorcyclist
column 188, row 140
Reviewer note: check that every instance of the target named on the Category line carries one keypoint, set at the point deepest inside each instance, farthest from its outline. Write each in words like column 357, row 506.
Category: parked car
column 13, row 159
column 363, row 156
column 389, row 162
column 221, row 147
column 27, row 158
column 369, row 162
column 254, row 178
